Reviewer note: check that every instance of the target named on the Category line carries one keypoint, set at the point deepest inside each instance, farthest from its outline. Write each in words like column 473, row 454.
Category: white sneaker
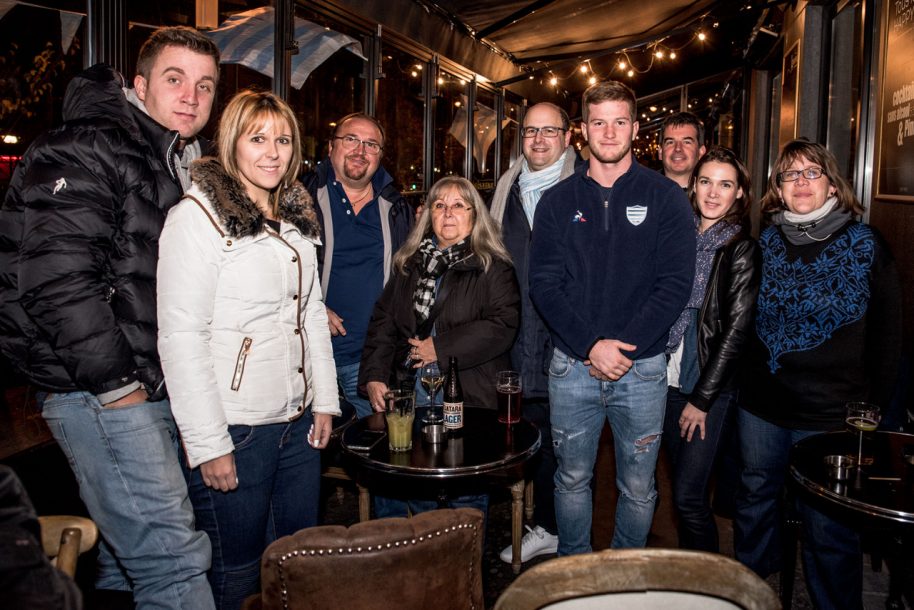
column 535, row 542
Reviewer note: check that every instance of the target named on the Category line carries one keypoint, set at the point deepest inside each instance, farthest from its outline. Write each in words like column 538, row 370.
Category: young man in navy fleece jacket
column 611, row 266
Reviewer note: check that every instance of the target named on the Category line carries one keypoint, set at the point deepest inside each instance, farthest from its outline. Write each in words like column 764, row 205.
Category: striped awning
column 247, row 39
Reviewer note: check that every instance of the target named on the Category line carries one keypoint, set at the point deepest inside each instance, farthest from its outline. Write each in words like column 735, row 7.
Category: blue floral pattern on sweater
column 801, row 304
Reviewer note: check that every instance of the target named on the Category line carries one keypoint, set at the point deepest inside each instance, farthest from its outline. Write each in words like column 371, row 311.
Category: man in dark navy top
column 364, row 220
column 611, row 266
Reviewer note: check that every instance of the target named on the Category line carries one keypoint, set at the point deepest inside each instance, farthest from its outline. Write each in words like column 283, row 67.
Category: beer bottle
column 453, row 399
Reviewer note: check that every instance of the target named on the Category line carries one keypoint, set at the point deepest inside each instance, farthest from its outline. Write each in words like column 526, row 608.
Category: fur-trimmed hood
column 238, row 214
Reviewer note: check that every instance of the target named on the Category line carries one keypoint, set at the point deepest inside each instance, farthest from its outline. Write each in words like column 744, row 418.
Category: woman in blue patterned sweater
column 828, row 331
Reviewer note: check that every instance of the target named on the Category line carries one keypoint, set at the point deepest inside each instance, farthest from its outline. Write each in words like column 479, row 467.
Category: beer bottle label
column 453, row 415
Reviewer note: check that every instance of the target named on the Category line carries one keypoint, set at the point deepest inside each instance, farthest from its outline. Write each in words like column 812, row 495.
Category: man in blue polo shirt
column 611, row 264
column 363, row 220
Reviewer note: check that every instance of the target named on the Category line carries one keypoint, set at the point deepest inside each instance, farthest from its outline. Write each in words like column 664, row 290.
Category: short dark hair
column 683, row 119
column 174, row 36
column 608, row 91
column 364, row 117
column 739, row 212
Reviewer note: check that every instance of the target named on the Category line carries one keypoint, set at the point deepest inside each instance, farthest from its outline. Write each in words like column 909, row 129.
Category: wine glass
column 431, row 378
column 862, row 417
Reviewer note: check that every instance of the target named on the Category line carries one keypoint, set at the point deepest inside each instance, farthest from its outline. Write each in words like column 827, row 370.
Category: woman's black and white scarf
column 434, row 263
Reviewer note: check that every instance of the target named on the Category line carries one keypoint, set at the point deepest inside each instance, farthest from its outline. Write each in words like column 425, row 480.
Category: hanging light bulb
column 553, row 81
column 583, row 68
column 658, row 54
column 622, row 65
column 672, row 54
column 631, row 73
column 701, row 36
column 592, row 80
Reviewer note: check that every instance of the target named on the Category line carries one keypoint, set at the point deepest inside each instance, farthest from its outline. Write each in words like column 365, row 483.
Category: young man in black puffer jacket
column 78, row 250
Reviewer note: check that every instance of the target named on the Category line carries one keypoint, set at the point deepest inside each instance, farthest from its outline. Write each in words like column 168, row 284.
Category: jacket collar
column 634, row 168
column 382, row 182
column 238, row 214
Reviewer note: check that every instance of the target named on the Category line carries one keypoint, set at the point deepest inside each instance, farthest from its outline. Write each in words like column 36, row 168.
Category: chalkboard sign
column 896, row 146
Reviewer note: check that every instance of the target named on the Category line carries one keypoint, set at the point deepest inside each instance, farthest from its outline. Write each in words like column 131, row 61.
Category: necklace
column 365, row 194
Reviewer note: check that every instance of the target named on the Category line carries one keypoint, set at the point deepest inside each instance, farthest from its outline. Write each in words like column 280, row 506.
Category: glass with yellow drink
column 400, row 410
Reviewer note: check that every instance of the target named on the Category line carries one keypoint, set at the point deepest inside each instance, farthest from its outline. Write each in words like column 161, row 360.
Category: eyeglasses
column 546, row 132
column 810, row 173
column 352, row 142
column 457, row 208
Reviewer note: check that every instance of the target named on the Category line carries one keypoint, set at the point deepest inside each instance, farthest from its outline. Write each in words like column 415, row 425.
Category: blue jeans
column 347, row 376
column 832, row 558
column 693, row 462
column 277, row 495
column 126, row 463
column 634, row 406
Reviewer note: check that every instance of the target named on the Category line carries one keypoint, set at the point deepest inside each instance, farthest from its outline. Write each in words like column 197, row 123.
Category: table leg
column 528, row 501
column 517, row 517
column 364, row 503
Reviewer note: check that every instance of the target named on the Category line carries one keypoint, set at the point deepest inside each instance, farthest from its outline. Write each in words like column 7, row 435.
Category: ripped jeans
column 634, row 406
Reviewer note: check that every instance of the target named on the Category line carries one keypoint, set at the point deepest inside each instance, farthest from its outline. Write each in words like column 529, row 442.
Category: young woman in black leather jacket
column 706, row 341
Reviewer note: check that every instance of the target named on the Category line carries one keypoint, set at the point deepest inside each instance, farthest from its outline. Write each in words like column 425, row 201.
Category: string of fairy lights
column 632, row 61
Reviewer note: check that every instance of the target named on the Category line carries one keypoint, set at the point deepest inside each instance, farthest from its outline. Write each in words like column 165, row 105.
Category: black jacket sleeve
column 726, row 319
column 381, row 340
column 883, row 325
column 72, row 195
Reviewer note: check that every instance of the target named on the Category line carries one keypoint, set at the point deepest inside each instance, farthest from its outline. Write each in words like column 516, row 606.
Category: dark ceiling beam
column 512, row 18
column 461, row 26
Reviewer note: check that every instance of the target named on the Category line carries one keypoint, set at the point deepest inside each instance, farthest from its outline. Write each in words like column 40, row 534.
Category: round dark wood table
column 881, row 493
column 487, row 450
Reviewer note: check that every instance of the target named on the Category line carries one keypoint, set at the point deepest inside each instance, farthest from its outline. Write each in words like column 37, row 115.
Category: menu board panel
column 896, row 146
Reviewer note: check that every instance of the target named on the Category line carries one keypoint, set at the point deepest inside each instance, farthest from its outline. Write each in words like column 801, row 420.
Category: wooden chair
column 639, row 578
column 65, row 538
column 431, row 560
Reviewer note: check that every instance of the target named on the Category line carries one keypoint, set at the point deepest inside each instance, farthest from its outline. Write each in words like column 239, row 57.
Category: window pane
column 332, row 91
column 336, row 88
column 450, row 126
column 651, row 112
column 35, row 70
column 400, row 107
column 484, row 132
column 509, row 135
column 844, row 89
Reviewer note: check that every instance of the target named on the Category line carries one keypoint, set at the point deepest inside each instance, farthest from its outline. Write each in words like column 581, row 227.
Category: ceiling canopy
column 653, row 43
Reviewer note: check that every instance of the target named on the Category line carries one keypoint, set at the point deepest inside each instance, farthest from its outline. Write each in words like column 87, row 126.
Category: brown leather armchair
column 432, row 560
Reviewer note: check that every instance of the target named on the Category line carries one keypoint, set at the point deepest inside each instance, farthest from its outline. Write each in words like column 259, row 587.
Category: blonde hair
column 485, row 238
column 246, row 112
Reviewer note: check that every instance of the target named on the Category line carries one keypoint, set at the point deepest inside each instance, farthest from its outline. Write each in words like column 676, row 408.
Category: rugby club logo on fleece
column 636, row 214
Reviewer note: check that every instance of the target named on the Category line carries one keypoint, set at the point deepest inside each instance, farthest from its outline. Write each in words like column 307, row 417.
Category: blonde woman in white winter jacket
column 244, row 341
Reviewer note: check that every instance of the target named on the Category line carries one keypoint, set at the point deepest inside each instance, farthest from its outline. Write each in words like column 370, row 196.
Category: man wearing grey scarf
column 548, row 158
